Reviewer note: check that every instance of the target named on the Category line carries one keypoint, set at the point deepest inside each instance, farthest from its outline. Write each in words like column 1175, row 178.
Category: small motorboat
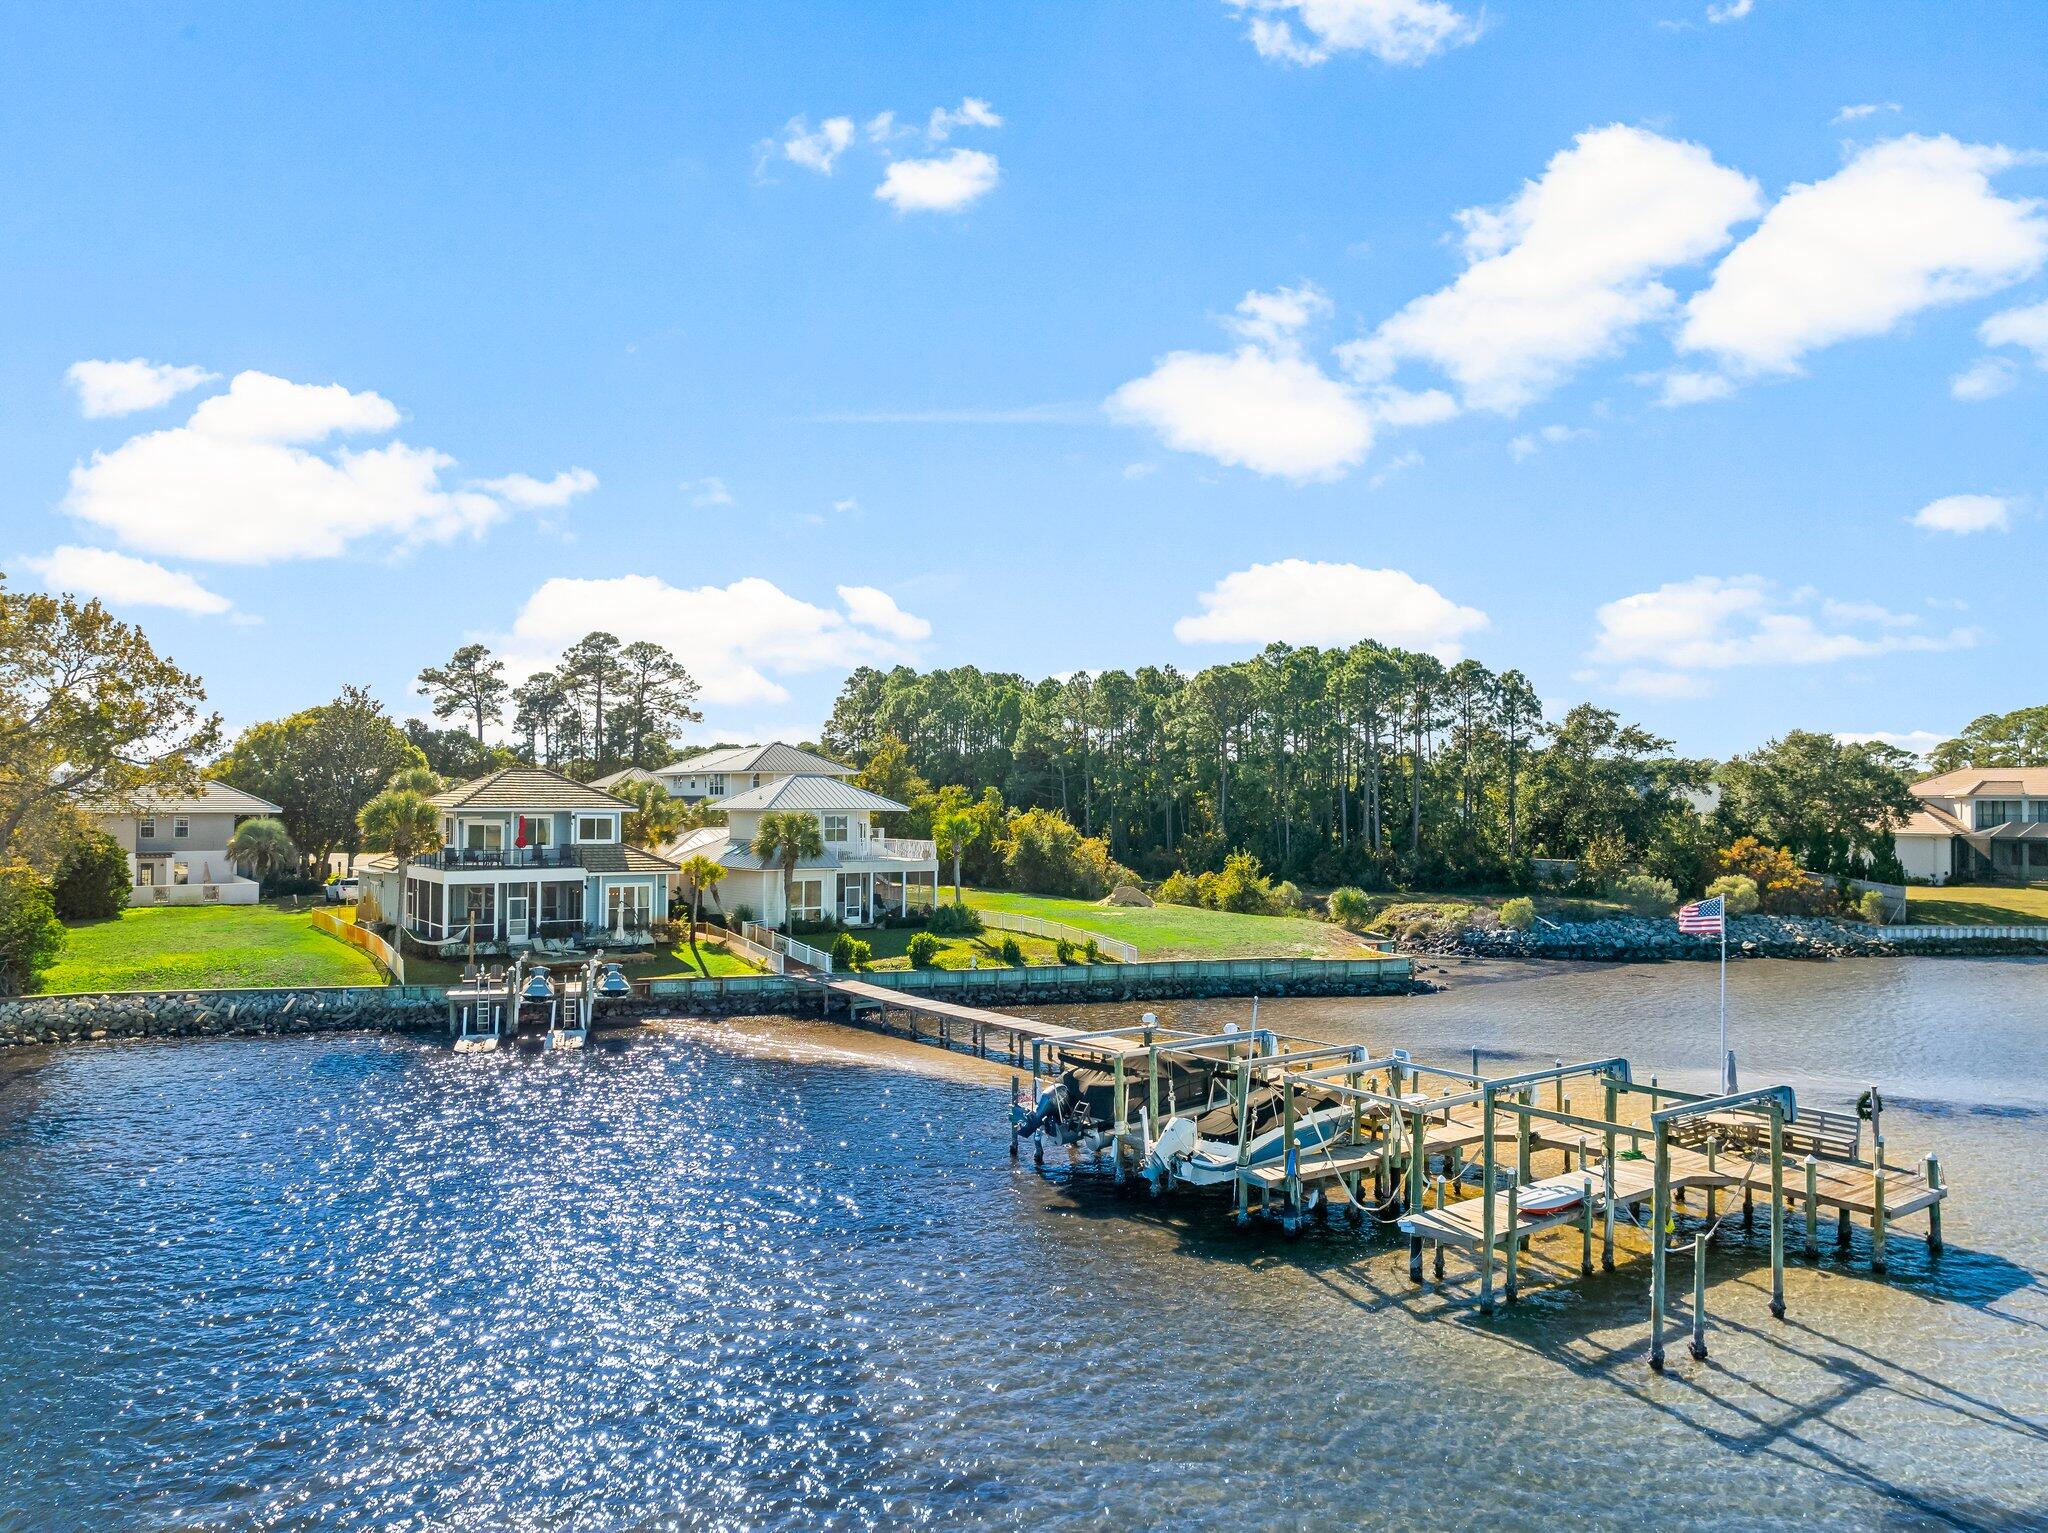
column 1539, row 1200
column 1186, row 1152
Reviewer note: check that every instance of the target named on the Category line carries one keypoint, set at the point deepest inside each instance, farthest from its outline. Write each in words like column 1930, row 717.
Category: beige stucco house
column 1978, row 825
column 177, row 844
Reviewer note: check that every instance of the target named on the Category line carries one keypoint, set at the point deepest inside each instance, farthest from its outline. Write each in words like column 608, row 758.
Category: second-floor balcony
column 461, row 857
column 884, row 849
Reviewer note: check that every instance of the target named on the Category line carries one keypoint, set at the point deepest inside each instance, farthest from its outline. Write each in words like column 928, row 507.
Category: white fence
column 1054, row 931
column 223, row 891
column 788, row 947
column 747, row 948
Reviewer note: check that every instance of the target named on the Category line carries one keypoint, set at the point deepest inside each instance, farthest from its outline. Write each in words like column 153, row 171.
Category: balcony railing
column 886, row 849
column 507, row 857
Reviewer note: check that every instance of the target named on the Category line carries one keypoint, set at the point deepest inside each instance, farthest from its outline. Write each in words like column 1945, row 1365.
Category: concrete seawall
column 44, row 1019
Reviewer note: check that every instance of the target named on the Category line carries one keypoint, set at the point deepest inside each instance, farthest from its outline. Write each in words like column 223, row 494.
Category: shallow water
column 777, row 1274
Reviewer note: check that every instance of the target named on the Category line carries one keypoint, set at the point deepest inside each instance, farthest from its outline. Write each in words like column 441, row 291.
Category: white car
column 344, row 891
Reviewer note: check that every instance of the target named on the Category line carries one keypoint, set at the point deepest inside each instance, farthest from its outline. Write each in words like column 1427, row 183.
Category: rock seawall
column 1629, row 940
column 219, row 1013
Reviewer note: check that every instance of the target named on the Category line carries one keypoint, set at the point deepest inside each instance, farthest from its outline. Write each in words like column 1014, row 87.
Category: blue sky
column 1621, row 344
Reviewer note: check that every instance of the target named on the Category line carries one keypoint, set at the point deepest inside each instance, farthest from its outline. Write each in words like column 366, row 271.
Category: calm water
column 779, row 1275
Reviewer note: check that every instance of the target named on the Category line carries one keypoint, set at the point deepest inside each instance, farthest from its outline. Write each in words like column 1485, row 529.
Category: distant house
column 526, row 854
column 1978, row 825
column 862, row 876
column 733, row 769
column 177, row 844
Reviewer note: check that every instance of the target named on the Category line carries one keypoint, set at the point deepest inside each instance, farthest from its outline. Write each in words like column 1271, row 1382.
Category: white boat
column 1183, row 1154
column 1539, row 1199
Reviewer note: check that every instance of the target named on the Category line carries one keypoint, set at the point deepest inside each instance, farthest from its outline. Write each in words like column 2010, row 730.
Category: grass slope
column 1181, row 931
column 1974, row 905
column 204, row 947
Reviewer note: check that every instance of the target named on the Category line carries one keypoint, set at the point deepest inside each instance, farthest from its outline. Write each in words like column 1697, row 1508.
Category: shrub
column 741, row 915
column 1091, row 951
column 1874, row 907
column 1180, row 888
column 1425, row 922
column 851, row 953
column 1045, row 854
column 1601, row 864
column 1012, row 952
column 1240, row 887
column 1781, row 887
column 1739, row 890
column 1064, row 950
column 1287, row 896
column 1519, row 913
column 1351, row 906
column 92, row 879
column 30, row 933
column 956, row 921
column 923, row 950
column 1645, row 895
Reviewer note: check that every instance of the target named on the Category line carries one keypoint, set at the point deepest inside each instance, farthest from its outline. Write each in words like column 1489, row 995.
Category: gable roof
column 808, row 792
column 1986, row 782
column 773, row 759
column 1928, row 820
column 624, row 775
column 522, row 788
column 210, row 798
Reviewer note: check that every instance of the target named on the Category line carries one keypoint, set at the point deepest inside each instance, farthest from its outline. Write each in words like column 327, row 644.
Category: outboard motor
column 1175, row 1140
column 1051, row 1108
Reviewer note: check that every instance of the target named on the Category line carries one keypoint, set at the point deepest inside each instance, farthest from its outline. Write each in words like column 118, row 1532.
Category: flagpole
column 1724, row 1000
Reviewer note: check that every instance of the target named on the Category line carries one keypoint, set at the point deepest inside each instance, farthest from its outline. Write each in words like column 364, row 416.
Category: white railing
column 766, row 957
column 788, row 947
column 219, row 891
column 1053, row 931
column 887, row 849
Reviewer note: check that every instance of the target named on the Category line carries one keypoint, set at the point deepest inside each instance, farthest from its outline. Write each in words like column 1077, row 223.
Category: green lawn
column 891, row 947
column 679, row 964
column 1976, row 905
column 1182, row 931
column 204, row 947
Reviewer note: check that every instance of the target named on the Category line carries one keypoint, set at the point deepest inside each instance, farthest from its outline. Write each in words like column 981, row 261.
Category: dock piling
column 1934, row 1208
column 1812, row 1208
column 1877, row 1261
column 1699, row 1296
column 1514, row 1225
column 1586, row 1227
column 1660, row 1216
column 1777, row 1210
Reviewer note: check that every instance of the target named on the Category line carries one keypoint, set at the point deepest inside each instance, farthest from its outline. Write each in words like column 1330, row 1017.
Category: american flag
column 1703, row 918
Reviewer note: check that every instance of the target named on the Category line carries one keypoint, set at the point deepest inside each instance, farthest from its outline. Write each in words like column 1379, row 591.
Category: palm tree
column 955, row 830
column 400, row 821
column 703, row 876
column 423, row 780
column 654, row 817
column 262, row 847
column 787, row 837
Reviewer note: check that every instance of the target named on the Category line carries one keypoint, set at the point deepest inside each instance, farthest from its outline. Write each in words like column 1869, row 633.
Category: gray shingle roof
column 773, row 759
column 212, row 798
column 597, row 858
column 808, row 792
column 526, row 789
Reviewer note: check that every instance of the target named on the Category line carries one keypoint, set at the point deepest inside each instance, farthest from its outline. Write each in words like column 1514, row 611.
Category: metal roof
column 717, row 843
column 622, row 776
column 808, row 792
column 771, row 760
column 525, row 790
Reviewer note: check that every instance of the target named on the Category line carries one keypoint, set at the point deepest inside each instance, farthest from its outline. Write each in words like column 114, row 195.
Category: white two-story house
column 717, row 774
column 862, row 876
column 526, row 854
column 1978, row 825
column 177, row 843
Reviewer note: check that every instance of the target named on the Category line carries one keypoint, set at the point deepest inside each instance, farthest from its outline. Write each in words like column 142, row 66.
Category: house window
column 540, row 831
column 807, row 899
column 181, row 826
column 717, row 785
column 484, row 836
column 147, row 829
column 593, row 827
column 1996, row 811
column 628, row 907
column 834, row 827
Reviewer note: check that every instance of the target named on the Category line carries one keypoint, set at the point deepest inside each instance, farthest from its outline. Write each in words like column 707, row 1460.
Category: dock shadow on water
column 785, row 1275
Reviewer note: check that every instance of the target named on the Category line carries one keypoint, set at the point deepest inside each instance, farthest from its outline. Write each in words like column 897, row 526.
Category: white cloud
column 1864, row 109
column 1921, row 742
column 1659, row 639
column 1392, row 31
column 1730, row 10
column 944, row 183
column 709, row 491
column 123, row 581
column 876, row 609
column 1986, row 378
column 1683, row 387
column 527, row 491
column 237, row 484
column 1565, row 271
column 1297, row 601
column 1273, row 413
column 816, row 149
column 1908, row 224
column 735, row 639
column 1962, row 514
column 881, row 128
column 121, row 388
column 1412, row 407
column 972, row 112
column 846, row 503
column 1264, row 406
column 1530, row 443
column 2026, row 327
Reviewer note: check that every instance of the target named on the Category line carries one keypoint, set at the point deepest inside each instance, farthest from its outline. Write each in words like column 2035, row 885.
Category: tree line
column 1370, row 765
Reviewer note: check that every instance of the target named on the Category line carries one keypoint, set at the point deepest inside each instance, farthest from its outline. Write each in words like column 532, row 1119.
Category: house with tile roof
column 177, row 843
column 863, row 874
column 526, row 854
column 1978, row 825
